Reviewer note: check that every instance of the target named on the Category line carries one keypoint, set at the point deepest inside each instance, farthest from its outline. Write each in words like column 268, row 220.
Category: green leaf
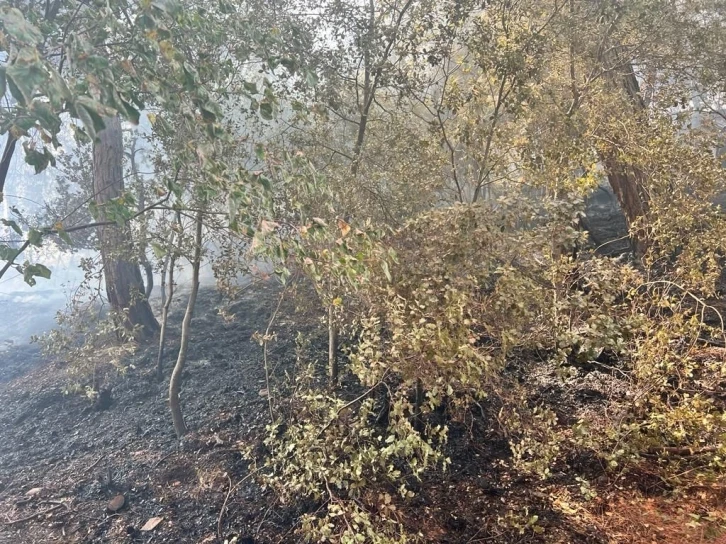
column 32, row 271
column 159, row 251
column 93, row 210
column 7, row 253
column 36, row 159
column 208, row 112
column 170, row 7
column 265, row 183
column 12, row 224
column 91, row 113
column 386, row 271
column 56, row 89
column 16, row 26
column 260, row 152
column 65, row 237
column 290, row 64
column 311, row 78
column 130, row 112
column 35, row 237
column 225, row 7
column 25, row 75
column 46, row 116
column 251, row 87
column 266, row 110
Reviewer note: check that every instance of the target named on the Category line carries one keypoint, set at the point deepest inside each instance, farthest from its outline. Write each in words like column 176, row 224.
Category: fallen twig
column 224, row 505
column 36, row 515
column 96, row 463
column 226, row 498
column 163, row 459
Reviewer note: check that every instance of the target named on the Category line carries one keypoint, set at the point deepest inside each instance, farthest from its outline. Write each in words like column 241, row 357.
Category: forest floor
column 64, row 463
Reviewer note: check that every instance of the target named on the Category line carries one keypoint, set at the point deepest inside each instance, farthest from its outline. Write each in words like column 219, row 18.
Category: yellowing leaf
column 344, row 227
column 151, row 524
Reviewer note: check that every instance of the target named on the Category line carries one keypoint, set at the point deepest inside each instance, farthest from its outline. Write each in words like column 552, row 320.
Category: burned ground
column 62, row 460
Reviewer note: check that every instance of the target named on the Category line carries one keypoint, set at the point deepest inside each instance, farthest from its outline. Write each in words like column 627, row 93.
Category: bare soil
column 64, row 460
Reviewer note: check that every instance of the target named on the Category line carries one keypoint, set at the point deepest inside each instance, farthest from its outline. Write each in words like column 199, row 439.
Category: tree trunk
column 143, row 258
column 166, row 304
column 332, row 349
column 124, row 287
column 143, row 226
column 175, row 384
column 169, row 263
column 418, row 403
column 627, row 181
column 627, row 184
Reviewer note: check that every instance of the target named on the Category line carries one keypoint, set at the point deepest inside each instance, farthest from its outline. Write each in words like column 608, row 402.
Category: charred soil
column 112, row 471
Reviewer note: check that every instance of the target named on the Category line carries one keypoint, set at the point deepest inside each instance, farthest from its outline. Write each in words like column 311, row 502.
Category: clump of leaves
column 92, row 341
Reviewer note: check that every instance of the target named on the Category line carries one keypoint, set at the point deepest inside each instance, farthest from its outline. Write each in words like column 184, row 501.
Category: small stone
column 117, row 503
column 263, row 392
column 35, row 492
column 151, row 524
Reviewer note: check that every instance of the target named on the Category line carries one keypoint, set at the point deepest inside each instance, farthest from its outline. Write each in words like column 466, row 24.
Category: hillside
column 62, row 459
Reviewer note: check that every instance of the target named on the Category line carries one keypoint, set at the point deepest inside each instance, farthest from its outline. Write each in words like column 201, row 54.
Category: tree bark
column 627, row 184
column 175, row 384
column 124, row 286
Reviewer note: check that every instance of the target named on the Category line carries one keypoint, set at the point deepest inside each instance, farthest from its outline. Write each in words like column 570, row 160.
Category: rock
column 35, row 492
column 117, row 503
column 263, row 392
column 151, row 524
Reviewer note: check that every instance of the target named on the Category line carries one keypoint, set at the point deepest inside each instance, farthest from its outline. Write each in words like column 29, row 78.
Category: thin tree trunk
column 166, row 304
column 7, row 158
column 332, row 347
column 143, row 227
column 372, row 80
column 124, row 286
column 143, row 258
column 418, row 402
column 175, row 384
column 169, row 263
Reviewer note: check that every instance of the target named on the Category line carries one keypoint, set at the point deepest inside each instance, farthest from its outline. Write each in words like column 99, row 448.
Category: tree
column 124, row 286
column 140, row 188
column 175, row 383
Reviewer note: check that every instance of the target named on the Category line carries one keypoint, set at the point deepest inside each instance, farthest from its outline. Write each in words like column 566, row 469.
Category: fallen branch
column 683, row 451
column 351, row 403
column 36, row 515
